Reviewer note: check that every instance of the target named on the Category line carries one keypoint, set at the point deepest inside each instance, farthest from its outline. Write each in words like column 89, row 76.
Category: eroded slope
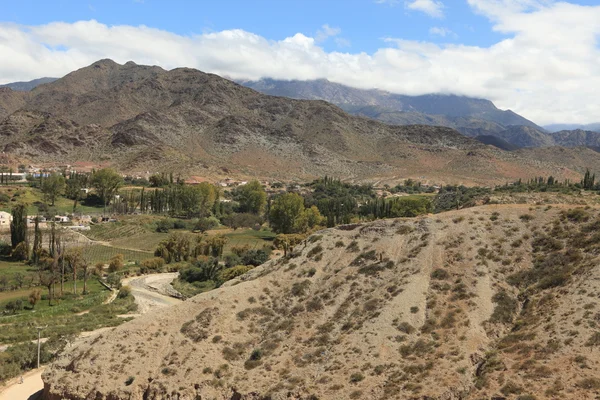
column 465, row 305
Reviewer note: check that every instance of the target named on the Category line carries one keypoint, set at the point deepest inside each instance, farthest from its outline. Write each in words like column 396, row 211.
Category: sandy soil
column 30, row 389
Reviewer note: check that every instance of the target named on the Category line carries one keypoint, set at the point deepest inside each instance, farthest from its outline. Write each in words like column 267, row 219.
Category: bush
column 124, row 292
column 440, row 274
column 152, row 265
column 21, row 252
column 234, row 272
column 255, row 257
column 505, row 309
column 205, row 224
column 116, row 263
column 113, row 280
column 164, row 225
column 14, row 306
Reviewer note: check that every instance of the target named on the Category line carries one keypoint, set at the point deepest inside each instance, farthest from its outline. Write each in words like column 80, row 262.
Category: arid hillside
column 143, row 118
column 497, row 301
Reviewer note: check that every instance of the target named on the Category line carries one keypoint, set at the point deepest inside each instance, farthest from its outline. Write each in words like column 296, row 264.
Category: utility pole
column 39, row 328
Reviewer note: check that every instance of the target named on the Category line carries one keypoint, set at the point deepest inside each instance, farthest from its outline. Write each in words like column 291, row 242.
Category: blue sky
column 363, row 23
column 540, row 58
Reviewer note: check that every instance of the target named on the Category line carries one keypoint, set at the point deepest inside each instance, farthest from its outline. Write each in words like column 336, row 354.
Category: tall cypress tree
column 18, row 225
column 37, row 242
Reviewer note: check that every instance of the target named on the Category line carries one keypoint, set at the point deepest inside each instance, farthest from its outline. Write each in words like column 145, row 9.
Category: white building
column 5, row 219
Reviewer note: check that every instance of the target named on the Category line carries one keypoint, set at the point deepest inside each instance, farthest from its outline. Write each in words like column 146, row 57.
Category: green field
column 29, row 195
column 254, row 239
column 65, row 316
column 96, row 253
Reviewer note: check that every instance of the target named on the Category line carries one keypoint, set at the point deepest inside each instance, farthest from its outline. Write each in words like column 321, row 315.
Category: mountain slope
column 446, row 108
column 10, row 101
column 144, row 118
column 472, row 304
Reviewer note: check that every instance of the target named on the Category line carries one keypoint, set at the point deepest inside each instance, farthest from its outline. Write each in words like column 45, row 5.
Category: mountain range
column 478, row 118
column 470, row 116
column 144, row 118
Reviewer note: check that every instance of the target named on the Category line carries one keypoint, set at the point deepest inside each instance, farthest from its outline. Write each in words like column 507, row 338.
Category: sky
column 540, row 58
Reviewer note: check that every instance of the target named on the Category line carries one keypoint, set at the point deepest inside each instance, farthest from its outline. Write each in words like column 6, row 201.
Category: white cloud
column 388, row 2
column 433, row 8
column 547, row 68
column 441, row 31
column 341, row 42
column 326, row 32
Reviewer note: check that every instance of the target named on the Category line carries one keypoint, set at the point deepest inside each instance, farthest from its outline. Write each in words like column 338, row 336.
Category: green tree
column 286, row 211
column 107, row 183
column 37, row 242
column 73, row 190
column 251, row 197
column 18, row 225
column 52, row 187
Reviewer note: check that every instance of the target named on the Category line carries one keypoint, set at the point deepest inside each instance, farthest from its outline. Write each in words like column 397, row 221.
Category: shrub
column 440, row 274
column 526, row 217
column 164, row 225
column 129, row 381
column 356, row 377
column 124, row 292
column 205, row 224
column 231, row 273
column 406, row 328
column 151, row 264
column 353, row 247
column 314, row 251
column 300, row 288
column 21, row 252
column 589, row 384
column 505, row 309
column 116, row 263
column 511, row 388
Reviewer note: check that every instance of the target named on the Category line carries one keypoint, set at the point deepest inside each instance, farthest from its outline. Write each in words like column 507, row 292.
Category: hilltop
column 488, row 302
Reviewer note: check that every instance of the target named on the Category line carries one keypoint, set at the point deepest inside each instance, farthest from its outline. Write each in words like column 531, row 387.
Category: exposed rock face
column 453, row 306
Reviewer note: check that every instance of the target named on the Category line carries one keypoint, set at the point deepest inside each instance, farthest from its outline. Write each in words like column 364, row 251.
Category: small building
column 5, row 219
column 61, row 218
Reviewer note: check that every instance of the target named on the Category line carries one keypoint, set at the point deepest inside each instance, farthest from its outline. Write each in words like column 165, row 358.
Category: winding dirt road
column 150, row 292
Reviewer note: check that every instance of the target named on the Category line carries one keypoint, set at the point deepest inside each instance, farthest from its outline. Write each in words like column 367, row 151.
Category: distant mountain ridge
column 27, row 86
column 471, row 116
column 595, row 127
column 446, row 110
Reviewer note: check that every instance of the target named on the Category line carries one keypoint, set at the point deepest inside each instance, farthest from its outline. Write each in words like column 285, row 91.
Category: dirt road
column 150, row 292
column 30, row 389
column 153, row 291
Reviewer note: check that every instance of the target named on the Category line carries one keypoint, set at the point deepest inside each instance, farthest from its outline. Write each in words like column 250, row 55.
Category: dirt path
column 150, row 292
column 30, row 389
column 153, row 291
